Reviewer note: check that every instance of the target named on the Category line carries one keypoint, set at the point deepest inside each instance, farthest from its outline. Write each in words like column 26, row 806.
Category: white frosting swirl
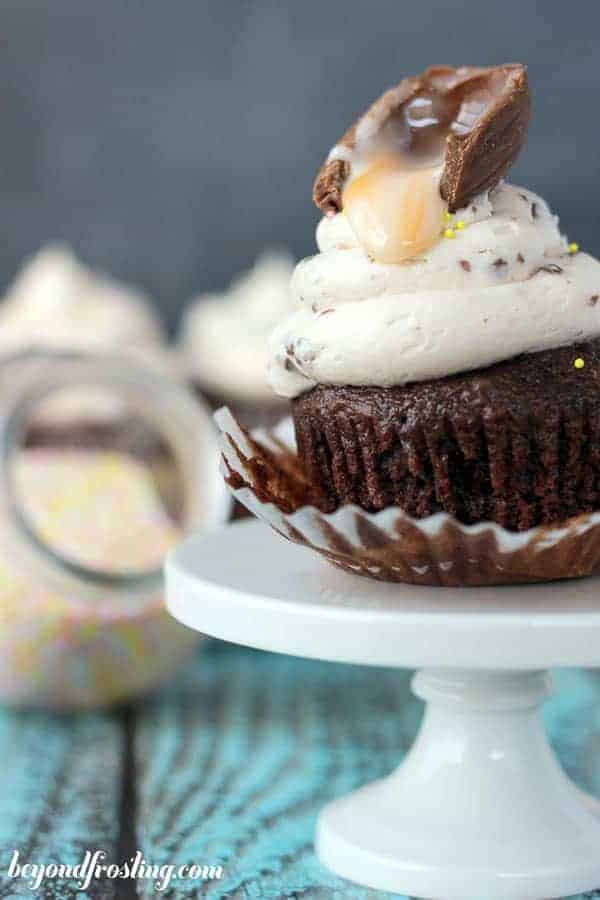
column 504, row 285
column 56, row 301
column 224, row 336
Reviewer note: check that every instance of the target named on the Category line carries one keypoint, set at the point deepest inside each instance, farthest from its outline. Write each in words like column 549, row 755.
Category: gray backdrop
column 169, row 141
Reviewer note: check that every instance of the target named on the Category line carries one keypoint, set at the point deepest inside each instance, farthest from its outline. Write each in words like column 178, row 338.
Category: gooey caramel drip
column 394, row 204
column 396, row 212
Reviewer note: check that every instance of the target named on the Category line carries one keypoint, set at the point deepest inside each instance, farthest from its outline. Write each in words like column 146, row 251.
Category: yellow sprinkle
column 573, row 248
column 579, row 363
column 449, row 233
column 447, row 216
column 460, row 224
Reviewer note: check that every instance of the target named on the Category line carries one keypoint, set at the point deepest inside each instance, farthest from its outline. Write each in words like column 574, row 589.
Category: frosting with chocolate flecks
column 432, row 316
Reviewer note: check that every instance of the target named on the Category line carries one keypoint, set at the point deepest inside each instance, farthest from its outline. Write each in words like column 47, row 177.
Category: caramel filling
column 393, row 203
column 395, row 210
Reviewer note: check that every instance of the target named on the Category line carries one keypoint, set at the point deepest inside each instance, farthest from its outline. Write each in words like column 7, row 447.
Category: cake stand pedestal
column 480, row 807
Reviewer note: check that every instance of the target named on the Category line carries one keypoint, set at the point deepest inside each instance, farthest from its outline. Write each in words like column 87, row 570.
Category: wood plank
column 572, row 718
column 237, row 756
column 60, row 788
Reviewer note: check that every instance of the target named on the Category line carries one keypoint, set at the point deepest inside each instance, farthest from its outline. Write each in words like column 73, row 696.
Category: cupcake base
column 264, row 473
column 517, row 443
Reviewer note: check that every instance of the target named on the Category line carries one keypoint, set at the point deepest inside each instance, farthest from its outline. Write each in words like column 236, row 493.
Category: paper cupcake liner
column 263, row 472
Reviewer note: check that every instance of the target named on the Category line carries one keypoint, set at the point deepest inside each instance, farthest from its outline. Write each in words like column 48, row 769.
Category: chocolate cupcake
column 444, row 355
column 517, row 443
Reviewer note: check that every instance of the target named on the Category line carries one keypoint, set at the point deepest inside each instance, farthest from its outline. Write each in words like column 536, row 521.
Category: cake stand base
column 480, row 808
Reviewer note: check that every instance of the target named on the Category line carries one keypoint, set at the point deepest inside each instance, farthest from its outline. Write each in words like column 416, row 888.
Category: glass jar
column 104, row 466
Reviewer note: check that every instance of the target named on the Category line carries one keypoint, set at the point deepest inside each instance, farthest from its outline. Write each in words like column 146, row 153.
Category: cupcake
column 443, row 355
column 224, row 337
column 58, row 304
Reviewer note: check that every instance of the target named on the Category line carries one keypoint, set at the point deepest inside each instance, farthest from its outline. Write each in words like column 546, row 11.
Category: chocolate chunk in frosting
column 473, row 120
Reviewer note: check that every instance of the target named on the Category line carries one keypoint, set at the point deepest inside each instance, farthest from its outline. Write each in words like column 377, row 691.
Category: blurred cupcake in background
column 224, row 338
column 57, row 303
column 106, row 460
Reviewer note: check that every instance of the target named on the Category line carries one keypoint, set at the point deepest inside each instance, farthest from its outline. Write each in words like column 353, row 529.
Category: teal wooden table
column 228, row 765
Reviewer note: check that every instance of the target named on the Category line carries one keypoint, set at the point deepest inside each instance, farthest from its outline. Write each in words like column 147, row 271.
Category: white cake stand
column 480, row 807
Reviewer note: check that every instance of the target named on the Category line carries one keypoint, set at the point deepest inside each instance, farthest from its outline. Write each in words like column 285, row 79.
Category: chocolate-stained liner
column 263, row 473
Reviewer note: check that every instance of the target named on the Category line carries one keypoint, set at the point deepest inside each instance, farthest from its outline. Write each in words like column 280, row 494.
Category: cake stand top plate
column 247, row 585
